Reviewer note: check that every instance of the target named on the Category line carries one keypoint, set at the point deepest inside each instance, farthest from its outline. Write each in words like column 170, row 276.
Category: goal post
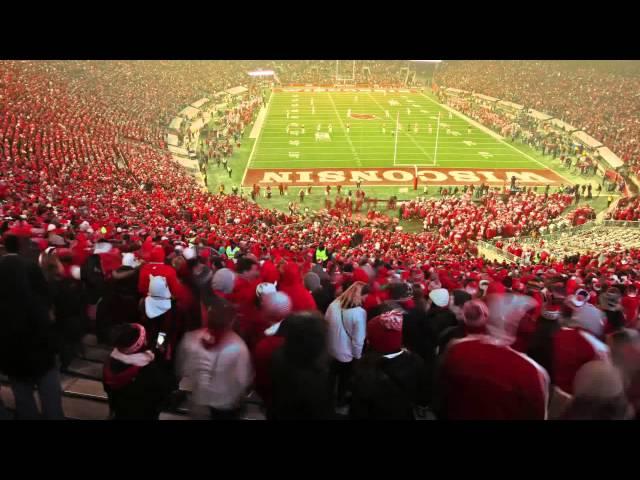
column 345, row 72
column 427, row 158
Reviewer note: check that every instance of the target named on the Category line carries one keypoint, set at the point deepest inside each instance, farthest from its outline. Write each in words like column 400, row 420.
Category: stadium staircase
column 84, row 397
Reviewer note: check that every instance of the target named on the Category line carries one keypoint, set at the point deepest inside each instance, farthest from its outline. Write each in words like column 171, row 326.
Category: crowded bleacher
column 213, row 303
column 597, row 97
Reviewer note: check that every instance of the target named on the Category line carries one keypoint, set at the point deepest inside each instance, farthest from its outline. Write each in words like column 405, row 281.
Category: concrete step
column 85, row 369
column 74, row 408
column 95, row 354
column 87, row 389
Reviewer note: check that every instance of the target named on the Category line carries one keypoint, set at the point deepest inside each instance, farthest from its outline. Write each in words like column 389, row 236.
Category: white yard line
column 409, row 136
column 496, row 136
column 255, row 143
column 353, row 149
column 257, row 127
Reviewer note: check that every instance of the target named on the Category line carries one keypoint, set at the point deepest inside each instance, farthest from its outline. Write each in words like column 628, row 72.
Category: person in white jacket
column 218, row 364
column 346, row 332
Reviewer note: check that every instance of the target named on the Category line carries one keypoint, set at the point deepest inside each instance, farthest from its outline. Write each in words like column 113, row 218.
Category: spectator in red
column 276, row 307
column 482, row 378
column 291, row 284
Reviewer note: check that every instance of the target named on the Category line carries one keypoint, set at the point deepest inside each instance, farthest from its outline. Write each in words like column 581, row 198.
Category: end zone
column 399, row 176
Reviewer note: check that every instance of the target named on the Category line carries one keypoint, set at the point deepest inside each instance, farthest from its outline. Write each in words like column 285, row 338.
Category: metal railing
column 558, row 234
column 621, row 223
column 499, row 252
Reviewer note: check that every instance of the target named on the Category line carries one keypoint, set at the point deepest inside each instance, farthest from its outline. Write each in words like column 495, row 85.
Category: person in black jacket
column 66, row 297
column 323, row 294
column 422, row 329
column 136, row 380
column 300, row 371
column 27, row 340
column 389, row 382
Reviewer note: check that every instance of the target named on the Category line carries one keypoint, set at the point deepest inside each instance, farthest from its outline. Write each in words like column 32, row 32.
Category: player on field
column 349, row 113
column 302, row 130
column 384, row 129
column 348, row 127
column 330, row 128
column 415, row 128
column 386, row 114
column 318, row 128
column 469, row 130
column 408, row 111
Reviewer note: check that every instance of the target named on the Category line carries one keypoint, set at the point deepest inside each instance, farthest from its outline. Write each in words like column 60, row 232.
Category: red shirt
column 572, row 348
column 262, row 355
column 630, row 306
column 158, row 270
column 484, row 380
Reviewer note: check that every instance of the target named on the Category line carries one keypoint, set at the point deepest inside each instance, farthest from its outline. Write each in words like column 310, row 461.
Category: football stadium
column 319, row 240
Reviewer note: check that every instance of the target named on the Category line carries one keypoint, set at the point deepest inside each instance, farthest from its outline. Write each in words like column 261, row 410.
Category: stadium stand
column 597, row 97
column 163, row 301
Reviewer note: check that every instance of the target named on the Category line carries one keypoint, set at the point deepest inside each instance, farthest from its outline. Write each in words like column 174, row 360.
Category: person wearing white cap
column 275, row 307
column 586, row 315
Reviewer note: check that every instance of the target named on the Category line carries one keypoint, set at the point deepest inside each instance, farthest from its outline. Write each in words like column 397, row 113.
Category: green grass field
column 368, row 142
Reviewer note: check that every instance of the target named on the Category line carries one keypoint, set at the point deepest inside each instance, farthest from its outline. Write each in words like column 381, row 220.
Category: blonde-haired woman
column 347, row 325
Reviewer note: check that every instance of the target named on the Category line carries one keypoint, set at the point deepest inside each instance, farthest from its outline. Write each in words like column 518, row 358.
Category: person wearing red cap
column 136, row 383
column 243, row 295
column 389, row 382
column 482, row 378
column 275, row 306
column 292, row 284
column 158, row 268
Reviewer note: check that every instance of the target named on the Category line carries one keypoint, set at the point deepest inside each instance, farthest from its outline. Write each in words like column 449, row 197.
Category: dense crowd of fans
column 324, row 317
column 460, row 218
column 600, row 98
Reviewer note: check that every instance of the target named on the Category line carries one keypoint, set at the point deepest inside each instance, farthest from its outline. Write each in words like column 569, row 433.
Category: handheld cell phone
column 161, row 338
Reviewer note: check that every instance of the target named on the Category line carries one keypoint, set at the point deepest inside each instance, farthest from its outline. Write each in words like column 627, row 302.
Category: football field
column 340, row 137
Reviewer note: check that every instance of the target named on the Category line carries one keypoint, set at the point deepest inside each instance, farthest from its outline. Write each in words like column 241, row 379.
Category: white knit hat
column 440, row 296
column 276, row 304
column 265, row 288
column 224, row 280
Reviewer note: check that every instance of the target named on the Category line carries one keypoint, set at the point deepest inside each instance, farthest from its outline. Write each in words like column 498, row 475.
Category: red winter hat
column 384, row 332
column 157, row 254
column 359, row 275
column 496, row 287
